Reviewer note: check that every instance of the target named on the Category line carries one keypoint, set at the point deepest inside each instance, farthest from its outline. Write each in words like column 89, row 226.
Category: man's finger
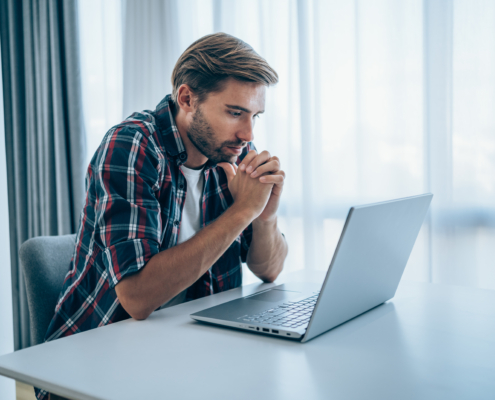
column 276, row 179
column 247, row 159
column 229, row 170
column 261, row 158
column 271, row 166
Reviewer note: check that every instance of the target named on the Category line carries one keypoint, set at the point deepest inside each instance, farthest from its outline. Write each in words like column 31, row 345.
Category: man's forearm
column 173, row 270
column 267, row 251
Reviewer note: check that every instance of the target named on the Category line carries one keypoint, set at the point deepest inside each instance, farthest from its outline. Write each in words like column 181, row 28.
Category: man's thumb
column 228, row 169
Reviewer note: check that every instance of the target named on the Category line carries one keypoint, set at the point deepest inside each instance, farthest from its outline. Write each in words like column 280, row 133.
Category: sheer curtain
column 376, row 100
column 100, row 32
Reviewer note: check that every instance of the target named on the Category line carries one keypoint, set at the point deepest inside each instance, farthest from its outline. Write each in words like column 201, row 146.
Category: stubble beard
column 201, row 134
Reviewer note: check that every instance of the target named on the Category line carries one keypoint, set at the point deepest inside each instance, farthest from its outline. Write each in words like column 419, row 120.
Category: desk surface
column 429, row 342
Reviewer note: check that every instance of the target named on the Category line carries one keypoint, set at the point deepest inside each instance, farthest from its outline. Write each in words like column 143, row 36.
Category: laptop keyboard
column 288, row 315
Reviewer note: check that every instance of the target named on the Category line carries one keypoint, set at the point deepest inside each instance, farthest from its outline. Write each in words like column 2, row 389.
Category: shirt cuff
column 127, row 258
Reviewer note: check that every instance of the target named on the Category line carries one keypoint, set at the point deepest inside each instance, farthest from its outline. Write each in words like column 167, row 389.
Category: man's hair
column 209, row 61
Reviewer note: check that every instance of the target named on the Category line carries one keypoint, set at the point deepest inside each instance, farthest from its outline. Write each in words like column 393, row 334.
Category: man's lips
column 235, row 150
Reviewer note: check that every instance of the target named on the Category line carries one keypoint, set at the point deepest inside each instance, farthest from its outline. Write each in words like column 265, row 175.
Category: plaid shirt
column 135, row 197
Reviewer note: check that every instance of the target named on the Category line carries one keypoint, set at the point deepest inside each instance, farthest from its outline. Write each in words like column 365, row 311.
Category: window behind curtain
column 348, row 116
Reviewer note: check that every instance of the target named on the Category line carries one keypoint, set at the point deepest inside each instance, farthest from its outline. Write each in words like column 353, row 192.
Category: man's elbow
column 271, row 276
column 268, row 279
column 136, row 312
column 138, row 315
column 130, row 304
column 273, row 273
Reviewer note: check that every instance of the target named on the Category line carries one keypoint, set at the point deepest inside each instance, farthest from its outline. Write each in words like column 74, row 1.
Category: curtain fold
column 44, row 131
column 148, row 52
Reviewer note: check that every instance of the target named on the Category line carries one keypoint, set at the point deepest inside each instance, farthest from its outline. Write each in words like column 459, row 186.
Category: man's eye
column 235, row 114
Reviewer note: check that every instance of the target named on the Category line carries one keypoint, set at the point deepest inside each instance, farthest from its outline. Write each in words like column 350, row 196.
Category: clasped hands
column 256, row 184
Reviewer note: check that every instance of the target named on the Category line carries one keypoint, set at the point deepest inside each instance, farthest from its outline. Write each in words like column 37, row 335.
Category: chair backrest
column 45, row 261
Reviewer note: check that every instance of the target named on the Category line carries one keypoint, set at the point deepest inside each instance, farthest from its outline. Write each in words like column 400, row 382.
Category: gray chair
column 45, row 261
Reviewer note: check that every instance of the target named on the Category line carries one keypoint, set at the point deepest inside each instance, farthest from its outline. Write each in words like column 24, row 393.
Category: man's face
column 223, row 124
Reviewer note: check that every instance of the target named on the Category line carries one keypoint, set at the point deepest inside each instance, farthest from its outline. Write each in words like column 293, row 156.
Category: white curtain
column 101, row 35
column 376, row 100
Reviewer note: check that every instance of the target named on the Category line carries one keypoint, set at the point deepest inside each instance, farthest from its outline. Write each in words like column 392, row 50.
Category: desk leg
column 24, row 391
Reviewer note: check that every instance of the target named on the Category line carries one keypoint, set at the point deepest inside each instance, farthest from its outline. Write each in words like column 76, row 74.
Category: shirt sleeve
column 247, row 234
column 128, row 219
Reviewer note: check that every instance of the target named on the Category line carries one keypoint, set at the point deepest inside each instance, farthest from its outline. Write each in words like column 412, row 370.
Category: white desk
column 429, row 342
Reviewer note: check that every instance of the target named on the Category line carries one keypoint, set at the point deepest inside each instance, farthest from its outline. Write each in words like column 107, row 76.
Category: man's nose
column 247, row 134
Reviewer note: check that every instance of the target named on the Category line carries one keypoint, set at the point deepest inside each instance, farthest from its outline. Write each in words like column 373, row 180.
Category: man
column 178, row 198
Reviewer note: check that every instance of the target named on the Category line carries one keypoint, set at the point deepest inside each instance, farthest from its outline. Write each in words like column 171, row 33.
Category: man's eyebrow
column 242, row 108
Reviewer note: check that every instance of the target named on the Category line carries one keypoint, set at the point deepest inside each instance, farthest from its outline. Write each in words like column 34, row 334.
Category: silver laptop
column 365, row 271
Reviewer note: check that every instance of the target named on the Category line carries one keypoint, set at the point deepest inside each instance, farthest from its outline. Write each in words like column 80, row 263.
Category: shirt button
column 181, row 186
column 176, row 223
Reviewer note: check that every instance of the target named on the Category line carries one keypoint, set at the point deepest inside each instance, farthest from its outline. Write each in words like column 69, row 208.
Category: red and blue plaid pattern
column 134, row 202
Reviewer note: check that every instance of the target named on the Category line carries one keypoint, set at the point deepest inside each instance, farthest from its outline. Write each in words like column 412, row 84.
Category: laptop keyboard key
column 289, row 314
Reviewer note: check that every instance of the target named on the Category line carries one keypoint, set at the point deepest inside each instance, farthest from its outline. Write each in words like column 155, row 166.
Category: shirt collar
column 164, row 117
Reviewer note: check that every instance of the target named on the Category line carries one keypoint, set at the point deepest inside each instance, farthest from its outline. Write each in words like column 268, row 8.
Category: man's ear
column 186, row 98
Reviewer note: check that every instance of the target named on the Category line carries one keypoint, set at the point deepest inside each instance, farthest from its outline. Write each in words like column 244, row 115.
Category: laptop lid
column 369, row 260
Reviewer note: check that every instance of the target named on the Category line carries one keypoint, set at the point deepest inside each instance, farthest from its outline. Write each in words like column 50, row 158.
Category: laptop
column 365, row 271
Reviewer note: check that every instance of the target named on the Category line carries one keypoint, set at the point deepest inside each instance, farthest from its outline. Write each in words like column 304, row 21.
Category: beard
column 202, row 135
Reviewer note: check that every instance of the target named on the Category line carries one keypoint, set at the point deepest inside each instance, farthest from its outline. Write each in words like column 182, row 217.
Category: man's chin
column 225, row 158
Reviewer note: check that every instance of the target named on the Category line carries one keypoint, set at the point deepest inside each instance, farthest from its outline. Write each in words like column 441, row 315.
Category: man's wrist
column 245, row 215
column 265, row 224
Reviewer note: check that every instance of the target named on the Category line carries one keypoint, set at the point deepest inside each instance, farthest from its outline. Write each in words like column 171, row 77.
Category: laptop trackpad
column 274, row 295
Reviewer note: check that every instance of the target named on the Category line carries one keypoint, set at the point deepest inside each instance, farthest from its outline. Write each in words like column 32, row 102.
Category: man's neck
column 195, row 159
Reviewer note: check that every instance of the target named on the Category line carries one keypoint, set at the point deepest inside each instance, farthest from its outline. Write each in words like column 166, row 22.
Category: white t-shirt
column 191, row 216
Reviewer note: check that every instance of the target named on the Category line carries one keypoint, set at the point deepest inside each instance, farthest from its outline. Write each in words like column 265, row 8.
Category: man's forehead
column 245, row 96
